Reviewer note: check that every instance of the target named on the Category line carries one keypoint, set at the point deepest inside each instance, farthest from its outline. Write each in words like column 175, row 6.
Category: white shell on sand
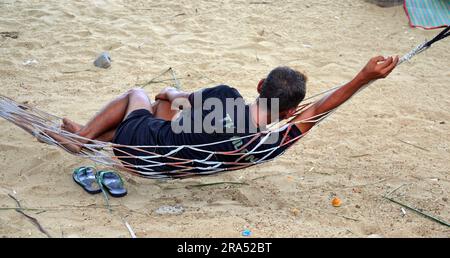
column 172, row 210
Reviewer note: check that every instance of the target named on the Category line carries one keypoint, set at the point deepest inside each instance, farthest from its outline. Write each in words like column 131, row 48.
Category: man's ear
column 292, row 111
column 259, row 87
column 289, row 113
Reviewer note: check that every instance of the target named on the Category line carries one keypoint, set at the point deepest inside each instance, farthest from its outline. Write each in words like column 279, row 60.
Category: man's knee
column 138, row 94
column 137, row 99
column 136, row 91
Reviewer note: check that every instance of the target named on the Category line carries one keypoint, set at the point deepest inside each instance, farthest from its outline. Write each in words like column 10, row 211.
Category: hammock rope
column 159, row 162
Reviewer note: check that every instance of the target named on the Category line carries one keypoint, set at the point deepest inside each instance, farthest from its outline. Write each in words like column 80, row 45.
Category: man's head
column 286, row 85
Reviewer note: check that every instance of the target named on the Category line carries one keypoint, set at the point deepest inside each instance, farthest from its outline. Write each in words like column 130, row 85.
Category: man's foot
column 68, row 143
column 70, row 126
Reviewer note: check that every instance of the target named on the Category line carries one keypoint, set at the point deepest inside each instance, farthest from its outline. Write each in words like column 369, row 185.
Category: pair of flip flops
column 93, row 182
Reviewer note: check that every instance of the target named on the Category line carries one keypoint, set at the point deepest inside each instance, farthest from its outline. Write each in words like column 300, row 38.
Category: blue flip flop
column 112, row 183
column 85, row 177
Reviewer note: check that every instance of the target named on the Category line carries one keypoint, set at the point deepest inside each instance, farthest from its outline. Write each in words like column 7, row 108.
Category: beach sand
column 395, row 133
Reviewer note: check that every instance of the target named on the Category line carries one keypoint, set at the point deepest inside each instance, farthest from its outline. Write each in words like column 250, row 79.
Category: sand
column 359, row 154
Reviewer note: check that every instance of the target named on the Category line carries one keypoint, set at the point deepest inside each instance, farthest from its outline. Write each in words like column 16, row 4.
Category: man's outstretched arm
column 377, row 67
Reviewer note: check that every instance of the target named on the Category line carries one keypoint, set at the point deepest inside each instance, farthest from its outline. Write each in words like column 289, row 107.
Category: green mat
column 428, row 14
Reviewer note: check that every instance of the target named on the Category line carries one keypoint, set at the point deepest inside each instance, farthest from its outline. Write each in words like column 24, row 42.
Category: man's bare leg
column 107, row 137
column 160, row 108
column 114, row 113
column 107, row 120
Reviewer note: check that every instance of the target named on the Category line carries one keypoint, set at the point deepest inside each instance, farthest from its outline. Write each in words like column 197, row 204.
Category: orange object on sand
column 336, row 202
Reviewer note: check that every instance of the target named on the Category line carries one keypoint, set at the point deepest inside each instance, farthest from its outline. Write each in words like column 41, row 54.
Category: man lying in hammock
column 226, row 132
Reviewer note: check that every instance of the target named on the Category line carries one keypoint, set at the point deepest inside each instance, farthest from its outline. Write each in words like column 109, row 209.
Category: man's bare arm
column 377, row 67
column 170, row 94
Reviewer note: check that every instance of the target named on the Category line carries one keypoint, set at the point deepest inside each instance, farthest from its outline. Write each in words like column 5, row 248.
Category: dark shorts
column 139, row 128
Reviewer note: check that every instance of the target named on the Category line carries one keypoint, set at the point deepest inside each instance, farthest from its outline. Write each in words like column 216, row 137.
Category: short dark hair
column 286, row 84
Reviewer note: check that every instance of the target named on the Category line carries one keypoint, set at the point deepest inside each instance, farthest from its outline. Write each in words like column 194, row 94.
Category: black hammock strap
column 444, row 33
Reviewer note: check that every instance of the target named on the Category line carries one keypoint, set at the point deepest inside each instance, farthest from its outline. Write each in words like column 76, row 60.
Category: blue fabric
column 428, row 14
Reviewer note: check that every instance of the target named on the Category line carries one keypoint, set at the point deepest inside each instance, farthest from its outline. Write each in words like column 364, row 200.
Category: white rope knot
column 419, row 49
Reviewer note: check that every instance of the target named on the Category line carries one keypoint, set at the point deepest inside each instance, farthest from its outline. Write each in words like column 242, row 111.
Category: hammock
column 154, row 164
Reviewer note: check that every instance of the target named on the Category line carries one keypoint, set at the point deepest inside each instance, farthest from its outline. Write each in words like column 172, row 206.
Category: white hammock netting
column 151, row 161
column 166, row 161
